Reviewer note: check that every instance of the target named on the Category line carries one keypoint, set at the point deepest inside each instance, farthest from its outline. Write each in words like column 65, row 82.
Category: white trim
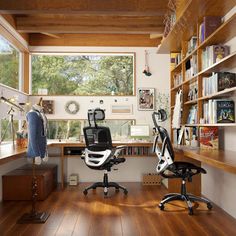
column 81, row 49
column 30, row 74
column 13, row 32
column 21, row 71
column 12, row 89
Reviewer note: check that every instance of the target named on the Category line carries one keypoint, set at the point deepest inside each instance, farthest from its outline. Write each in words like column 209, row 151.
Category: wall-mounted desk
column 134, row 149
column 224, row 160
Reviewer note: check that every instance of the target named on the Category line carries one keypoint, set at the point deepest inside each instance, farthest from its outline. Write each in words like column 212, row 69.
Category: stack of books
column 219, row 111
column 218, row 82
column 213, row 54
column 208, row 26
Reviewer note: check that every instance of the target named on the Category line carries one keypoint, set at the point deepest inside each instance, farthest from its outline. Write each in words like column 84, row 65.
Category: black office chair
column 99, row 153
column 168, row 168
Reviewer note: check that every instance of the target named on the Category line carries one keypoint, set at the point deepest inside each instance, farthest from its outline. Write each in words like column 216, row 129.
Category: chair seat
column 183, row 170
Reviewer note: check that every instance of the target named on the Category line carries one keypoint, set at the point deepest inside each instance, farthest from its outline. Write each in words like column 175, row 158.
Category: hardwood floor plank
column 72, row 213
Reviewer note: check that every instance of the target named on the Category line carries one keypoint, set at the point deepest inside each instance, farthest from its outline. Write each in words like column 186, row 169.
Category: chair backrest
column 97, row 138
column 163, row 135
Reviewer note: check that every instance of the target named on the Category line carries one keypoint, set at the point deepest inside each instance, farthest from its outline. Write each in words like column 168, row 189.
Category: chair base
column 188, row 198
column 105, row 185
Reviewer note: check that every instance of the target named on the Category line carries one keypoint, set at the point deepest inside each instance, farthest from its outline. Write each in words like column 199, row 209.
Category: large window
column 83, row 74
column 9, row 64
column 72, row 129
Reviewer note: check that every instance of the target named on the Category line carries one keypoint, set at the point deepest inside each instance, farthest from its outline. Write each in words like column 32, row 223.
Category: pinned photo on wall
column 146, row 98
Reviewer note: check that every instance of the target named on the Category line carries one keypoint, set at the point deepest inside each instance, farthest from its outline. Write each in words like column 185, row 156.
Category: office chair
column 99, row 153
column 168, row 168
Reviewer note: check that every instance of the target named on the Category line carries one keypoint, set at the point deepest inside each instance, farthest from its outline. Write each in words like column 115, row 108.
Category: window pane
column 83, row 74
column 65, row 129
column 9, row 64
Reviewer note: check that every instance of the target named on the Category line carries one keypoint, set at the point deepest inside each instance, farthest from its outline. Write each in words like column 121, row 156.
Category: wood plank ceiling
column 88, row 22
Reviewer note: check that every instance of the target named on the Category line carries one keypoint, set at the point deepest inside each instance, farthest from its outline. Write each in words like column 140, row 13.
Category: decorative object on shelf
column 146, row 98
column 121, row 109
column 72, row 107
column 48, row 106
column 170, row 17
column 146, row 70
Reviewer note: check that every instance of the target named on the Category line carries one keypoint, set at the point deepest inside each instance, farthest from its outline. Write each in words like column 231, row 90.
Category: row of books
column 208, row 26
column 191, row 67
column 218, row 111
column 140, row 151
column 175, row 59
column 192, row 115
column 192, row 44
column 218, row 82
column 178, row 79
column 193, row 91
column 214, row 53
column 208, row 137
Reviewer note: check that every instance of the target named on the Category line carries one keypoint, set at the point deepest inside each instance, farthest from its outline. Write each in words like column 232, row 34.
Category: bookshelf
column 188, row 25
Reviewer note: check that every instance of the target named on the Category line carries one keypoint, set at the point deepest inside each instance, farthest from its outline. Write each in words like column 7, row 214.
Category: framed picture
column 146, row 98
column 48, row 106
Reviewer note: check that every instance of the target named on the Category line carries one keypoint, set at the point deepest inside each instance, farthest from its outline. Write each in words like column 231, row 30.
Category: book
column 219, row 52
column 209, row 138
column 211, row 23
column 226, row 80
column 225, row 112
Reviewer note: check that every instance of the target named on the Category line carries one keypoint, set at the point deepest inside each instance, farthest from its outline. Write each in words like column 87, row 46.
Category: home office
column 75, row 62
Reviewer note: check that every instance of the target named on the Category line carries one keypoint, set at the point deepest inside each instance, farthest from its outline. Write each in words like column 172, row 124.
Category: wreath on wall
column 72, row 107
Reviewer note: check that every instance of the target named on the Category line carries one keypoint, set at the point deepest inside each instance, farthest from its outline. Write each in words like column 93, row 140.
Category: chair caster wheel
column 161, row 206
column 125, row 191
column 190, row 211
column 85, row 192
column 105, row 193
column 209, row 206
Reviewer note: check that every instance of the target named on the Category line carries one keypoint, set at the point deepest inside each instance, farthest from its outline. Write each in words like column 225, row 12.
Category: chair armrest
column 117, row 150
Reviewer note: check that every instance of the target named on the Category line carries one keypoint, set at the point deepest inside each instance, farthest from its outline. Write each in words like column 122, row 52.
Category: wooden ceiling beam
column 89, row 24
column 115, row 40
column 85, row 7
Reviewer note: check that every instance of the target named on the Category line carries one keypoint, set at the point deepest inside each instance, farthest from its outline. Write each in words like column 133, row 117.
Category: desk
column 132, row 151
column 135, row 149
column 224, row 160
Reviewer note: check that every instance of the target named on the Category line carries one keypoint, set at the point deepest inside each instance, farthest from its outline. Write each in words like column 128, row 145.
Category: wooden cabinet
column 188, row 25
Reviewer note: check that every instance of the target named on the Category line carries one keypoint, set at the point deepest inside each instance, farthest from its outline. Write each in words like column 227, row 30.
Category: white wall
column 133, row 168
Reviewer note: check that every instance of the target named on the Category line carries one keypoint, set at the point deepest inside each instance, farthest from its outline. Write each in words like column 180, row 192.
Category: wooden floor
column 72, row 213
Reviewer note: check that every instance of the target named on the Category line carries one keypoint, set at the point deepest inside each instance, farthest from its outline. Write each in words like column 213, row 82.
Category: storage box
column 151, row 179
column 17, row 184
column 73, row 180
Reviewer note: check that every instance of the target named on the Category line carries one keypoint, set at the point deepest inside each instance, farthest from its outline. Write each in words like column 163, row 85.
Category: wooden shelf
column 177, row 67
column 191, row 102
column 224, row 92
column 223, row 34
column 226, row 64
column 193, row 13
column 212, row 125
column 177, row 87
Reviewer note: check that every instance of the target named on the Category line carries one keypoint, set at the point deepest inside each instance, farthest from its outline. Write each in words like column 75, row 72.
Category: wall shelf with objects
column 201, row 65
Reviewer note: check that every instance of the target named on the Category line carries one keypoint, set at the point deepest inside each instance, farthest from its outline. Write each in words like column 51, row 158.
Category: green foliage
column 9, row 69
column 83, row 75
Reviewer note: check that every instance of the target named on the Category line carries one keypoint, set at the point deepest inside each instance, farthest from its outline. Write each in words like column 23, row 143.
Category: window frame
column 82, row 53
